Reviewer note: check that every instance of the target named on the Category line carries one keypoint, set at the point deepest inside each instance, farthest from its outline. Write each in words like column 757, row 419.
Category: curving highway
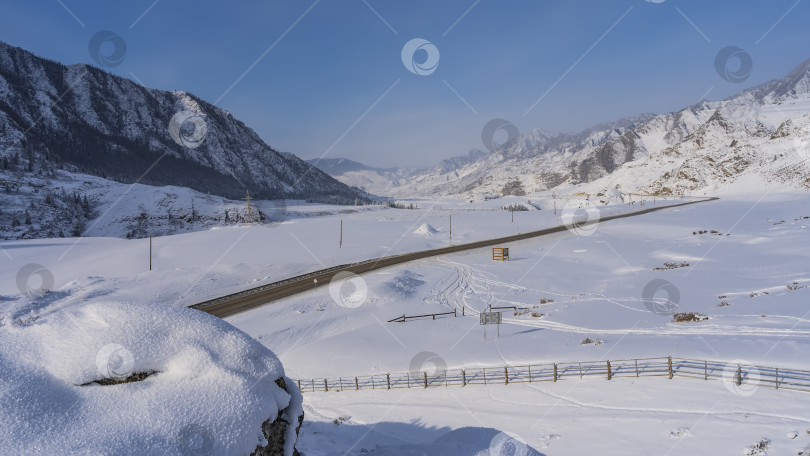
column 256, row 297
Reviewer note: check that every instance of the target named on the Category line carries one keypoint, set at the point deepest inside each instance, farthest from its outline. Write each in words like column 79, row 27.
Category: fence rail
column 736, row 374
column 404, row 317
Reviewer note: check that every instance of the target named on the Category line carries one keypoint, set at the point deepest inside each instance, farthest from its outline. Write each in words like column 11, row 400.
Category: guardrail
column 736, row 374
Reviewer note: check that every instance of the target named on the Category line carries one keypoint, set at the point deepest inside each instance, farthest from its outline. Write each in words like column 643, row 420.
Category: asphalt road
column 256, row 297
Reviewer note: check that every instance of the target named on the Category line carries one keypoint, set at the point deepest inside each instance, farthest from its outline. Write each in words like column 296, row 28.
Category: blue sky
column 332, row 81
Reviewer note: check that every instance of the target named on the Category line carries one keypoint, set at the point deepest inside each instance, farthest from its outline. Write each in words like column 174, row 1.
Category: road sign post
column 491, row 318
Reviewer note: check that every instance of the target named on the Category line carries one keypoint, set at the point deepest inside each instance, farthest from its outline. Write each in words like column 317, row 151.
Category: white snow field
column 748, row 277
column 757, row 264
column 191, row 267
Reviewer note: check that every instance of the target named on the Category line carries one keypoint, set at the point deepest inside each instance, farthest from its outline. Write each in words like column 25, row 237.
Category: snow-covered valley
column 741, row 261
column 625, row 270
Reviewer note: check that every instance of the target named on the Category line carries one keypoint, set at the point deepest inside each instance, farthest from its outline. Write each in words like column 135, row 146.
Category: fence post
column 705, row 370
column 313, row 385
column 425, row 379
column 580, row 370
column 608, row 368
column 299, row 384
column 530, row 373
column 505, row 376
column 434, row 316
column 454, row 313
column 463, row 378
column 739, row 375
column 357, row 384
column 388, row 380
column 325, row 386
column 409, row 379
column 555, row 372
column 776, row 379
column 669, row 366
column 462, row 311
column 340, row 382
column 485, row 375
column 636, row 367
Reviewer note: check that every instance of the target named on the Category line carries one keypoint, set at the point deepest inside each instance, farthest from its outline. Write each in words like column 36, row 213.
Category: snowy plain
column 590, row 279
column 755, row 265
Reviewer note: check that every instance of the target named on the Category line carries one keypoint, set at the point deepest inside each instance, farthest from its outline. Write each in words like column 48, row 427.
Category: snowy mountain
column 761, row 135
column 377, row 181
column 86, row 120
column 340, row 166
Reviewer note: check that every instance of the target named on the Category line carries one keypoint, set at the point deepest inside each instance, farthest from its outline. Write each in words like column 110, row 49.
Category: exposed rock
column 275, row 431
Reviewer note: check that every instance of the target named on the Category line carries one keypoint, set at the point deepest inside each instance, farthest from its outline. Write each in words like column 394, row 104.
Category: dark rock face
column 275, row 430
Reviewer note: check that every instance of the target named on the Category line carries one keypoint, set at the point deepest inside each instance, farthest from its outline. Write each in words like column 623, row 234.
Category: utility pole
column 247, row 200
column 554, row 198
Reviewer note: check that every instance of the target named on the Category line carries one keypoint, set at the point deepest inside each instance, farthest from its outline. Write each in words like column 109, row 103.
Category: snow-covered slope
column 82, row 118
column 66, row 204
column 760, row 136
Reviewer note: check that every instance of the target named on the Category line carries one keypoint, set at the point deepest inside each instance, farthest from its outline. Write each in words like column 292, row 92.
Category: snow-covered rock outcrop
column 134, row 379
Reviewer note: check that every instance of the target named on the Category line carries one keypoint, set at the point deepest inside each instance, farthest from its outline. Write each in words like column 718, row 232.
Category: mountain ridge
column 705, row 146
column 84, row 119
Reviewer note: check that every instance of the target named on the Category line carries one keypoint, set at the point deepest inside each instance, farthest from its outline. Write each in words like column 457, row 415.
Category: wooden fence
column 749, row 375
column 405, row 318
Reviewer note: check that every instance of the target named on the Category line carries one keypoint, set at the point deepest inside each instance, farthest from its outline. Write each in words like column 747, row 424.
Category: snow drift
column 425, row 229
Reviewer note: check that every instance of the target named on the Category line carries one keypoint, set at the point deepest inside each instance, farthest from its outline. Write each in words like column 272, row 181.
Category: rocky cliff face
column 86, row 120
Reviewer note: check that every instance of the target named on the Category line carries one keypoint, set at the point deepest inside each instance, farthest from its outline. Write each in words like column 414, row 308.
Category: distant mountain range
column 82, row 119
column 339, row 166
column 759, row 136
